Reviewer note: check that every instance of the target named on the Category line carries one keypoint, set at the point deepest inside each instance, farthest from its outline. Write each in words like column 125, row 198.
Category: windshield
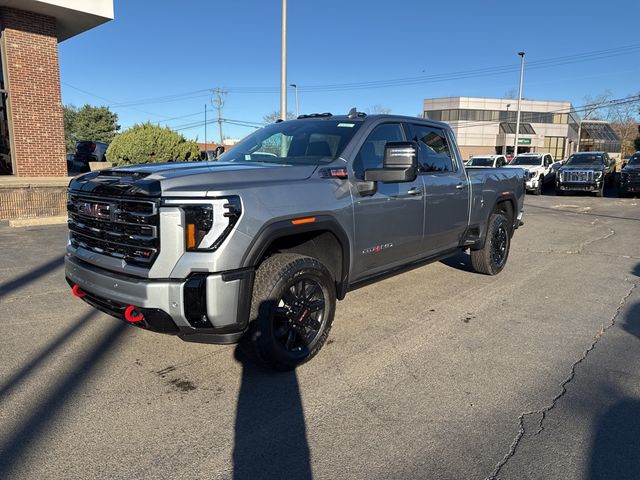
column 528, row 160
column 635, row 160
column 585, row 159
column 481, row 162
column 296, row 142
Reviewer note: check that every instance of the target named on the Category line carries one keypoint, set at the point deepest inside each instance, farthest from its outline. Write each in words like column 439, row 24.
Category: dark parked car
column 585, row 172
column 85, row 152
column 630, row 176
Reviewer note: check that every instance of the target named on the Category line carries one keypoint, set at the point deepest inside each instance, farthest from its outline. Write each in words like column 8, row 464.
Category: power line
column 389, row 83
column 108, row 100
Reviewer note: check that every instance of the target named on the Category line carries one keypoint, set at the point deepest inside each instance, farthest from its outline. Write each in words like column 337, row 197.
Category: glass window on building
column 554, row 146
column 6, row 166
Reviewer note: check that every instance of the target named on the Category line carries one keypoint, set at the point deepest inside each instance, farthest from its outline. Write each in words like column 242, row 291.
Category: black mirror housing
column 400, row 164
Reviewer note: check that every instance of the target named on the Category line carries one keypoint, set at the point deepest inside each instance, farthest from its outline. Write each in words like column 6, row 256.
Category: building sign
column 524, row 141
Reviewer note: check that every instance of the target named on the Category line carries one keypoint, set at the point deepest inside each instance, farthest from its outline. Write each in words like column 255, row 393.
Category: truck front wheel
column 492, row 258
column 292, row 309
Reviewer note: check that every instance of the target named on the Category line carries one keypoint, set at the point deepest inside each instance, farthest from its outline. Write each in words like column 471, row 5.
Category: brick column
column 33, row 82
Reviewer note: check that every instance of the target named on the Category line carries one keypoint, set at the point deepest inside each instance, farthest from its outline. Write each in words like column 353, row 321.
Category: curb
column 32, row 222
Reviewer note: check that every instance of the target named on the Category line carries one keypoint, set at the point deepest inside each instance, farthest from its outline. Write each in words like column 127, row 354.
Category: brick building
column 31, row 121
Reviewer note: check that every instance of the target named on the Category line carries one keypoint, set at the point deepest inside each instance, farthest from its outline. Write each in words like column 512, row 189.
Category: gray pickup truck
column 258, row 246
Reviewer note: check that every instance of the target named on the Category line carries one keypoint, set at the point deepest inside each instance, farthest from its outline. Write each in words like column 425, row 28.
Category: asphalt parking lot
column 436, row 373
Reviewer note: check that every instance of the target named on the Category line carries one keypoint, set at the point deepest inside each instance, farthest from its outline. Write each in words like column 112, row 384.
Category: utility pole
column 205, row 132
column 218, row 104
column 515, row 147
column 283, row 64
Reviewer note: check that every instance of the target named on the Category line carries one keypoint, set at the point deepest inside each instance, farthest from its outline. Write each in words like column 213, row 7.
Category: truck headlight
column 598, row 175
column 208, row 222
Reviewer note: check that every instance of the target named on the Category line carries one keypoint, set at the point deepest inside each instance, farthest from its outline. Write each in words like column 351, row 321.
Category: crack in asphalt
column 563, row 390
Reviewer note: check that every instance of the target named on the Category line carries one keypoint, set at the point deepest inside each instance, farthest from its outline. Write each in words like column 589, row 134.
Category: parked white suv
column 541, row 169
column 492, row 161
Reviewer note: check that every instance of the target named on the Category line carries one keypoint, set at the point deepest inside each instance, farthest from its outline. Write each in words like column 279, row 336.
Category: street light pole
column 504, row 146
column 296, row 89
column 283, row 64
column 515, row 146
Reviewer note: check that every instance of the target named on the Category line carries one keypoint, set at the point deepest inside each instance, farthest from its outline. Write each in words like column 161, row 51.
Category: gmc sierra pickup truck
column 258, row 246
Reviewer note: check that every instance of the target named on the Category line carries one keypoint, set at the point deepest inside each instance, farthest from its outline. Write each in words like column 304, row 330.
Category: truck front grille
column 634, row 178
column 578, row 176
column 127, row 229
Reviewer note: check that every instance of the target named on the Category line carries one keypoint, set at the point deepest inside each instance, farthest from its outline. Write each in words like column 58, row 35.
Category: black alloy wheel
column 499, row 243
column 299, row 316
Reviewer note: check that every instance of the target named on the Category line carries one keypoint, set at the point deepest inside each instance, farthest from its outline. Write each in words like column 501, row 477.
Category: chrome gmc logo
column 96, row 210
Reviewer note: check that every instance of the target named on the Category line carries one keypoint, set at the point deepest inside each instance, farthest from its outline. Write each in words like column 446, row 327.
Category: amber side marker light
column 302, row 221
column 191, row 235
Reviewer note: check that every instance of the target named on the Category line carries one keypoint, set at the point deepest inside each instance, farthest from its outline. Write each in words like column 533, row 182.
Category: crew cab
column 493, row 161
column 630, row 176
column 585, row 172
column 540, row 168
column 258, row 246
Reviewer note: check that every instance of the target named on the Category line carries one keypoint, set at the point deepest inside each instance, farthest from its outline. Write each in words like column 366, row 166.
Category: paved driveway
column 437, row 373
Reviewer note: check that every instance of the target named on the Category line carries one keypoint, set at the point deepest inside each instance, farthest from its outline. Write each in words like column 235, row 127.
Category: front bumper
column 532, row 184
column 216, row 309
column 579, row 187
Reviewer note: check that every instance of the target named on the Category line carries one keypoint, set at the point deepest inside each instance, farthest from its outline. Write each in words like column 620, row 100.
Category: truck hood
column 531, row 168
column 186, row 178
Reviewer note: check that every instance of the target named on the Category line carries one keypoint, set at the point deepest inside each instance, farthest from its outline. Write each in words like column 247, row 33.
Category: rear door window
column 434, row 151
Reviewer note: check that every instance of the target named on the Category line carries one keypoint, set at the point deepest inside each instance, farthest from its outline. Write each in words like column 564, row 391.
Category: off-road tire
column 484, row 259
column 600, row 191
column 274, row 278
column 538, row 189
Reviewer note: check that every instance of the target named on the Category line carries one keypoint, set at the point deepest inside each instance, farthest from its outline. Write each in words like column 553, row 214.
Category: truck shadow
column 631, row 323
column 460, row 261
column 270, row 433
column 616, row 443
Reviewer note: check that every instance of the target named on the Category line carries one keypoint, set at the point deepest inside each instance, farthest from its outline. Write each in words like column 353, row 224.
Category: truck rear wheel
column 492, row 258
column 292, row 309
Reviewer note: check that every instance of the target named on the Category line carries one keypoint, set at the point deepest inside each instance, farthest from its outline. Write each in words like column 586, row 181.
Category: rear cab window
column 434, row 151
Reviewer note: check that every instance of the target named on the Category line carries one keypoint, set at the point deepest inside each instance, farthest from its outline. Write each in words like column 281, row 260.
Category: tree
column 148, row 143
column 275, row 115
column 69, row 113
column 97, row 124
column 377, row 108
column 624, row 121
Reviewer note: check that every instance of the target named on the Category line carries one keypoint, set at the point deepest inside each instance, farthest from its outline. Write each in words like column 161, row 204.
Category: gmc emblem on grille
column 96, row 210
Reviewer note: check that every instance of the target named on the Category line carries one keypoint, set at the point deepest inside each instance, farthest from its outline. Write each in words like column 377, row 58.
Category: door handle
column 415, row 191
column 460, row 186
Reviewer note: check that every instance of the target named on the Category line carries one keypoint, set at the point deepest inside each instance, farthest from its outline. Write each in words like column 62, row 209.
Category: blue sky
column 157, row 63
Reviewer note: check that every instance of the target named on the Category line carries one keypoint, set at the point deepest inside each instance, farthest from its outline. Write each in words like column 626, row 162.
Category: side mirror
column 219, row 150
column 400, row 164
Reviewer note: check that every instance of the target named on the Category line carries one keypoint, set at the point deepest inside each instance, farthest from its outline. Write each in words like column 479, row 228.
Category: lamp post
column 296, row 89
column 515, row 146
column 283, row 64
column 504, row 147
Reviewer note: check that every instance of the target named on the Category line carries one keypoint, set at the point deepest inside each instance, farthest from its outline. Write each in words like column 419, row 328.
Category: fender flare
column 283, row 227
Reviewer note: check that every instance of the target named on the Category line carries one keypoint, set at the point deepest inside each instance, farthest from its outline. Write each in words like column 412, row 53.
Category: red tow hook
column 76, row 291
column 130, row 317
